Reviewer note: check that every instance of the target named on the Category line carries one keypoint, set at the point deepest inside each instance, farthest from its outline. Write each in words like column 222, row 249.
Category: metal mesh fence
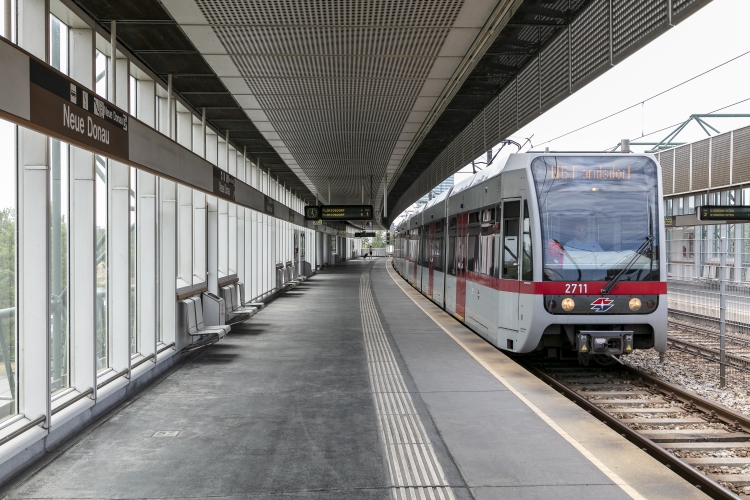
column 708, row 270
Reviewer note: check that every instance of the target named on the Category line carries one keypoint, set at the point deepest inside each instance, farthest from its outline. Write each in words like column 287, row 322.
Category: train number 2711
column 576, row 288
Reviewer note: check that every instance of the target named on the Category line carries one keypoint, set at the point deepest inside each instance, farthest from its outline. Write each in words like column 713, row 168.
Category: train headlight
column 568, row 304
column 634, row 304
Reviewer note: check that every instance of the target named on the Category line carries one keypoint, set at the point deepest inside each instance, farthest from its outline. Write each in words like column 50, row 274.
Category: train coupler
column 604, row 342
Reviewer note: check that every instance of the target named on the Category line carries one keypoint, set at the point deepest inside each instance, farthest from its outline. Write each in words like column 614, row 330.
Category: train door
column 449, row 300
column 417, row 249
column 463, row 230
column 431, row 261
column 508, row 300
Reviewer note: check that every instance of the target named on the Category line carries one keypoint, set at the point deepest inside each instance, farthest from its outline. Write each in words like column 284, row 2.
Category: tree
column 377, row 242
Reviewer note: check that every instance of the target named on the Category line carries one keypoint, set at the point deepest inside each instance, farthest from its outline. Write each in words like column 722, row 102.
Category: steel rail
column 681, row 468
column 734, row 361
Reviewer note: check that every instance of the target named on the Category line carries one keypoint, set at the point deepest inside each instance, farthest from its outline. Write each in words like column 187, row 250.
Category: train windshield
column 599, row 216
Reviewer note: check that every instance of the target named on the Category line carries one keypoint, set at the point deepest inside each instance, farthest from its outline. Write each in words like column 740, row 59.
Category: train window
column 487, row 243
column 451, row 261
column 453, row 222
column 510, row 239
column 487, row 251
column 598, row 215
column 437, row 246
column 473, row 250
column 424, row 247
column 473, row 217
column 527, row 266
column 497, row 244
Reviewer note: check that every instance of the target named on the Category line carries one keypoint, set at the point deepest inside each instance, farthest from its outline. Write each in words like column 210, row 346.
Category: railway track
column 703, row 341
column 705, row 443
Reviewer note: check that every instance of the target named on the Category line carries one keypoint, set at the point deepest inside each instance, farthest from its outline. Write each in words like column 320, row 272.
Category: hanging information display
column 723, row 212
column 339, row 212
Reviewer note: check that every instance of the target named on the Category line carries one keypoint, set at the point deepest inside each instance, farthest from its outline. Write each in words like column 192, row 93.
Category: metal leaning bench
column 240, row 289
column 234, row 305
column 191, row 312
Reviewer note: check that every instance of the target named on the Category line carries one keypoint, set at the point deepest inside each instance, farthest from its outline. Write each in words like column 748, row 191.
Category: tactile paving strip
column 412, row 463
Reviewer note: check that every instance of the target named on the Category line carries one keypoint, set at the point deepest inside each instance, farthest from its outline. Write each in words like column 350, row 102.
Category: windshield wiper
column 570, row 258
column 613, row 282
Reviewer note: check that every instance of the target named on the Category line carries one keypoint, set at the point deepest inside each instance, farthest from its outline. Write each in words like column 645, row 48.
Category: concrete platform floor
column 284, row 408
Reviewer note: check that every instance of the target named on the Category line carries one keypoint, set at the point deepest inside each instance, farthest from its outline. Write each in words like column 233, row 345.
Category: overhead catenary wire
column 642, row 102
column 679, row 123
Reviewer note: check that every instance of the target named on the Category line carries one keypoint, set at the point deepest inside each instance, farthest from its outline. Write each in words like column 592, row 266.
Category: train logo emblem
column 602, row 305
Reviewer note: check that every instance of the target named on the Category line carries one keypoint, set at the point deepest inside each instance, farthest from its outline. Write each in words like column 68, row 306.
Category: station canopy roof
column 337, row 93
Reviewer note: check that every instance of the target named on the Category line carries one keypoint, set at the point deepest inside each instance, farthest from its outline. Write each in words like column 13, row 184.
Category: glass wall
column 8, row 364
column 58, row 265
column 101, row 63
column 102, row 331
column 133, row 264
column 250, row 242
column 59, row 218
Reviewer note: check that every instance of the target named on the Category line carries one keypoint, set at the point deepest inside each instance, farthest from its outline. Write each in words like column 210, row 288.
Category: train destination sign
column 600, row 173
column 339, row 212
column 62, row 106
column 724, row 212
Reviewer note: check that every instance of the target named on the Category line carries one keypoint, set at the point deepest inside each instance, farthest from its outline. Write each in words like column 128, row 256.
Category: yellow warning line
column 570, row 439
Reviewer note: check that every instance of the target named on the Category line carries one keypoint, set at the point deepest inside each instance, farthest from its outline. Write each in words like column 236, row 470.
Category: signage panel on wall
column 224, row 184
column 64, row 107
column 269, row 205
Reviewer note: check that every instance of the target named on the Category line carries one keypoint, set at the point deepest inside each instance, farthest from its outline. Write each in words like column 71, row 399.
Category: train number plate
column 576, row 288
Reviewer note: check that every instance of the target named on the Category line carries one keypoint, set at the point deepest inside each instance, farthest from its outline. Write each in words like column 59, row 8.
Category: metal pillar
column 723, row 308
column 56, row 299
column 113, row 62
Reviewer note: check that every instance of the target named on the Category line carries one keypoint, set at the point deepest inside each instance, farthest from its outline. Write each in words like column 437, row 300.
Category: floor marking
column 570, row 439
column 413, row 466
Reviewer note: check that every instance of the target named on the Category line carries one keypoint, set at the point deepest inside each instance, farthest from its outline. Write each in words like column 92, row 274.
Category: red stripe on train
column 563, row 288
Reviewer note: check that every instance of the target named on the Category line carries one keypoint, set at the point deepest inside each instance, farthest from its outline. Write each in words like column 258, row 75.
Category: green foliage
column 7, row 258
column 377, row 242
column 8, row 277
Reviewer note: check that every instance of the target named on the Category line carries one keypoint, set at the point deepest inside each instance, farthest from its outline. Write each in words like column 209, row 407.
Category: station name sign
column 724, row 213
column 224, row 184
column 339, row 212
column 63, row 106
column 365, row 234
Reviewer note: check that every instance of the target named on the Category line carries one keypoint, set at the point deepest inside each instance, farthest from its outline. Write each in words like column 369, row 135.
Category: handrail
column 73, row 400
column 112, row 379
column 23, row 429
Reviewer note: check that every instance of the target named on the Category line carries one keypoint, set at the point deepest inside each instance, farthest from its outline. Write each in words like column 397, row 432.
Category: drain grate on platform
column 412, row 463
column 165, row 434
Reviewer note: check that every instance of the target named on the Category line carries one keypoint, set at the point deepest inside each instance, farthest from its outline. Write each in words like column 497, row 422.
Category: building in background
column 443, row 186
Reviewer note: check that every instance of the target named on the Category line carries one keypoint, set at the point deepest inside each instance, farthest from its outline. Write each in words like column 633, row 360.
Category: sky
column 710, row 37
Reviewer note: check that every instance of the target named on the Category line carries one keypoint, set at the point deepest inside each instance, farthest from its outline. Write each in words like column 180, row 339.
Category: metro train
column 551, row 252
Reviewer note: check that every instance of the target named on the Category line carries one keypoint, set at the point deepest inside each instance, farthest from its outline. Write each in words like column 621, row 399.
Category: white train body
column 522, row 253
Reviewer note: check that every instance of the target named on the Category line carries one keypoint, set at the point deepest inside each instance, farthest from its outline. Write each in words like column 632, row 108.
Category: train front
column 603, row 279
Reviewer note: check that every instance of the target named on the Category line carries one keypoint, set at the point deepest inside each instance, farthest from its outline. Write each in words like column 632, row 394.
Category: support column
column 147, row 266
column 118, row 264
column 82, row 254
column 212, row 243
column 33, row 242
column 167, row 260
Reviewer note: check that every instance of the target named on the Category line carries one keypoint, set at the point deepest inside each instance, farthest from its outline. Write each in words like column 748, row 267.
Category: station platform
column 350, row 386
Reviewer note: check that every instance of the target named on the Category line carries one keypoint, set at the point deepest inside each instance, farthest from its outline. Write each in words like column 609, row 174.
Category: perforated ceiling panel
column 336, row 79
